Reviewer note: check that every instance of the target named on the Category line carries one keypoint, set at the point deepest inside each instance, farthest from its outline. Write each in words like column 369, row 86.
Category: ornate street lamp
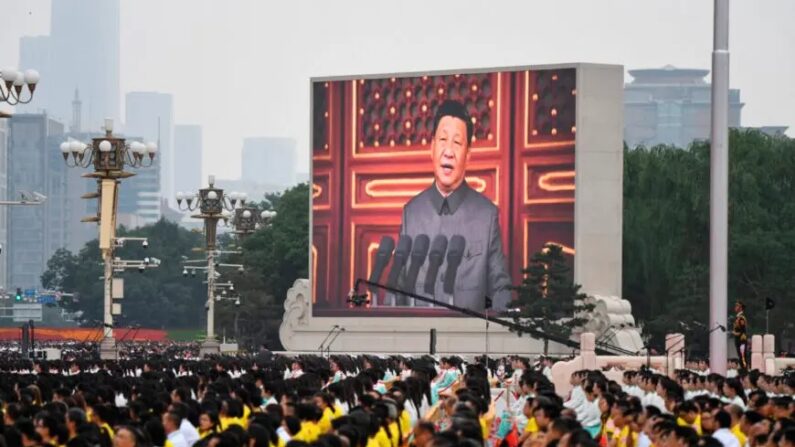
column 247, row 220
column 109, row 155
column 213, row 205
column 12, row 84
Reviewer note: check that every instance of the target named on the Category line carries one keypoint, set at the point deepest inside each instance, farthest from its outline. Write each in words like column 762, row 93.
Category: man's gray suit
column 482, row 271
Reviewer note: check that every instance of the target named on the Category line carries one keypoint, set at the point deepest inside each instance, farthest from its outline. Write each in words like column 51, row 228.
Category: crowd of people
column 159, row 399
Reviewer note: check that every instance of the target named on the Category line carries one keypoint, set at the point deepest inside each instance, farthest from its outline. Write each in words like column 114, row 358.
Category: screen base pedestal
column 302, row 332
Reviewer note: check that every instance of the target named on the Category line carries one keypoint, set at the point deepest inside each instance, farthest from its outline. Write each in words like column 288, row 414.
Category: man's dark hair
column 456, row 110
column 686, row 435
column 565, row 425
column 723, row 418
column 752, row 417
column 76, row 415
column 581, row 438
column 293, row 425
column 709, row 441
column 550, row 410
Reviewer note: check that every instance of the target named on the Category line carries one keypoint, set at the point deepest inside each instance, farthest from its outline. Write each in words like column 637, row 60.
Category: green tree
column 159, row 298
column 548, row 300
column 666, row 233
column 60, row 269
column 274, row 256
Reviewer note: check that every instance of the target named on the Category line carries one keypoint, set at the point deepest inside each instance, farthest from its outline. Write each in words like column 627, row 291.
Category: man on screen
column 451, row 207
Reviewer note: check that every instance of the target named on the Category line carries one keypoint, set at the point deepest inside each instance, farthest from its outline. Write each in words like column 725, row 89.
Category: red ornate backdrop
column 371, row 155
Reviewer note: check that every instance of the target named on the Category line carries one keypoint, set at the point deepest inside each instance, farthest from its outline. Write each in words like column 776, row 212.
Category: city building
column 188, row 150
column 35, row 165
column 81, row 52
column 671, row 106
column 255, row 191
column 150, row 117
column 269, row 161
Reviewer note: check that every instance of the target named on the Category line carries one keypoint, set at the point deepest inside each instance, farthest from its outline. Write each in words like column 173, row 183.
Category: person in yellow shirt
column 102, row 415
column 231, row 414
column 325, row 402
column 606, row 403
column 309, row 416
column 688, row 416
column 623, row 416
column 209, row 424
column 736, row 413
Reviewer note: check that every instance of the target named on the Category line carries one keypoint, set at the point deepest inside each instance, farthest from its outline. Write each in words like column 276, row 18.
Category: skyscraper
column 150, row 116
column 81, row 52
column 269, row 161
column 188, row 150
column 35, row 165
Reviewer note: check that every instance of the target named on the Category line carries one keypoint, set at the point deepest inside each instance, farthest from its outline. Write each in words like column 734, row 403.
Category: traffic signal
column 18, row 296
column 769, row 303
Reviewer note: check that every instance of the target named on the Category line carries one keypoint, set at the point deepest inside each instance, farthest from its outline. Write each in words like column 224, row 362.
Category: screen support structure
column 602, row 348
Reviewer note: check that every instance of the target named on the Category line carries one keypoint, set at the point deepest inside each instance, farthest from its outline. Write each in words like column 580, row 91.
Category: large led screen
column 440, row 185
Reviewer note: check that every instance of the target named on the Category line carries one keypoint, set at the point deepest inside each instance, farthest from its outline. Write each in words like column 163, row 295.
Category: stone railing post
column 588, row 350
column 769, row 353
column 757, row 354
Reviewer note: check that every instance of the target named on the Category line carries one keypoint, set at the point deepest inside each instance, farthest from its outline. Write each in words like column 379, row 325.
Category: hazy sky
column 241, row 67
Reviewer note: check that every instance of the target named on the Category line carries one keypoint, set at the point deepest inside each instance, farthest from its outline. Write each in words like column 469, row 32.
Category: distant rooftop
column 669, row 75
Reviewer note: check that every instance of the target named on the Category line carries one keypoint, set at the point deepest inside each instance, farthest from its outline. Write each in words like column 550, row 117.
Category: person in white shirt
column 171, row 424
column 723, row 433
column 185, row 427
column 734, row 393
column 577, row 397
column 296, row 370
column 588, row 414
column 546, row 367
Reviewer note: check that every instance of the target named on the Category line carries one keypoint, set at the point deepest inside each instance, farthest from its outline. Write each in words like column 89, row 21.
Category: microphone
column 418, row 254
column 455, row 252
column 435, row 258
column 399, row 260
column 381, row 260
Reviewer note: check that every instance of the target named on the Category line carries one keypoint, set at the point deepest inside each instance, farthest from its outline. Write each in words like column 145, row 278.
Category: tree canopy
column 666, row 234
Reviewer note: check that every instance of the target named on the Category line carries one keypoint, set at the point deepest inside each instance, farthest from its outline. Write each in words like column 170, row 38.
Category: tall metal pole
column 108, row 344
column 210, row 295
column 210, row 345
column 719, row 189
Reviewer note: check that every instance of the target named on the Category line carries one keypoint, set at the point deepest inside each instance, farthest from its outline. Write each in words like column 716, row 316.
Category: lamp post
column 247, row 219
column 12, row 84
column 213, row 205
column 109, row 156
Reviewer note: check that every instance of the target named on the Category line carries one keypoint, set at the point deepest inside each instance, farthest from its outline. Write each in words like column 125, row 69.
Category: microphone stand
column 323, row 343
column 328, row 346
column 511, row 325
column 135, row 333
column 487, row 340
column 670, row 350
